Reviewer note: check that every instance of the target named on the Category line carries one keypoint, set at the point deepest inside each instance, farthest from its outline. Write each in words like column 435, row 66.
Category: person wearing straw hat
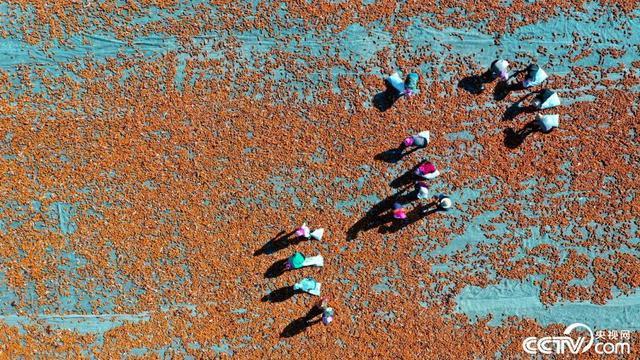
column 444, row 202
column 546, row 99
column 298, row 260
column 308, row 285
column 305, row 232
column 547, row 123
column 535, row 76
column 419, row 140
column 422, row 190
column 327, row 314
column 500, row 69
column 321, row 308
column 427, row 170
column 395, row 84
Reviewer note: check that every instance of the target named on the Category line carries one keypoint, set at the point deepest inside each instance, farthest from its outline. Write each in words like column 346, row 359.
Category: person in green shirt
column 298, row 260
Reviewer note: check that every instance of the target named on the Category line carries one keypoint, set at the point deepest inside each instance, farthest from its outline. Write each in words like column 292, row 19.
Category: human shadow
column 394, row 155
column 384, row 100
column 518, row 108
column 474, row 84
column 415, row 215
column 280, row 295
column 503, row 89
column 281, row 241
column 513, row 139
column 276, row 269
column 405, row 179
column 379, row 214
column 302, row 323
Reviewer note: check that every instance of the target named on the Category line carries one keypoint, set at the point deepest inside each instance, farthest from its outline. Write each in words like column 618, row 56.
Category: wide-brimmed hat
column 317, row 234
column 535, row 77
column 396, row 82
column 309, row 285
column 423, row 190
column 501, row 65
column 303, row 230
column 426, row 135
column 445, row 202
column 549, row 99
column 548, row 122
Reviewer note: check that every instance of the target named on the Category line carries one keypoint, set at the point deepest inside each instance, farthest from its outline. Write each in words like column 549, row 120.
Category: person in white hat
column 298, row 260
column 547, row 123
column 308, row 285
column 535, row 76
column 500, row 69
column 444, row 202
column 396, row 83
column 305, row 232
column 420, row 139
column 422, row 190
column 546, row 99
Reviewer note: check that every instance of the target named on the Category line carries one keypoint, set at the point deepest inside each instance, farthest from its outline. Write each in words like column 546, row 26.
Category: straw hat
column 549, row 99
column 425, row 134
column 445, row 202
column 548, row 122
column 317, row 234
column 423, row 190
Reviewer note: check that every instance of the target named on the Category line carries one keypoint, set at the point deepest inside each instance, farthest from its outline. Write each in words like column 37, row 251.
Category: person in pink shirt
column 418, row 140
column 305, row 232
column 399, row 212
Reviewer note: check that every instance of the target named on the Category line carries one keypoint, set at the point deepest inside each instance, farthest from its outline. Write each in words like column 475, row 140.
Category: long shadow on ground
column 405, row 179
column 281, row 241
column 394, row 155
column 415, row 215
column 280, row 295
column 300, row 324
column 513, row 139
column 379, row 214
column 276, row 269
column 384, row 100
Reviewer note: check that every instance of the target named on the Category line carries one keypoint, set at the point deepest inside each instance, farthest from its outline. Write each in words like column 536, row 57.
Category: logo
column 579, row 344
